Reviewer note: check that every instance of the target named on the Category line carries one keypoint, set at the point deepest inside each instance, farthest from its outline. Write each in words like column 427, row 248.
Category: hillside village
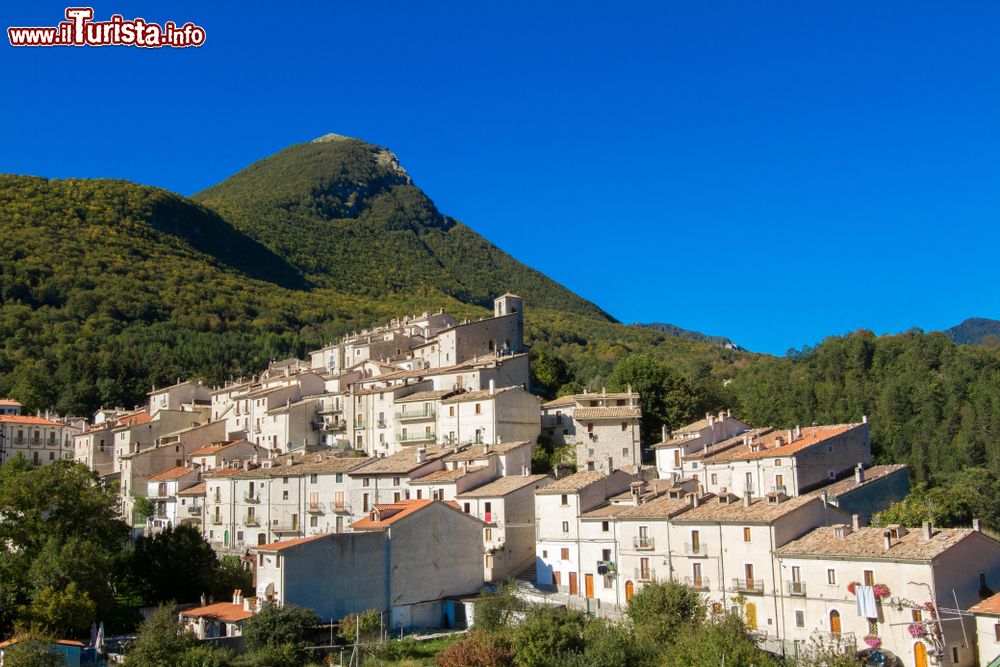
column 392, row 470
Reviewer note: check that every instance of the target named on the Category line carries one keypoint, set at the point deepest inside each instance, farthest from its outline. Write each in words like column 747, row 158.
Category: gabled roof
column 432, row 395
column 170, row 474
column 873, row 474
column 384, row 515
column 289, row 544
column 402, row 462
column 663, row 507
column 27, row 421
column 196, row 490
column 478, row 395
column 503, row 486
column 229, row 612
column 439, row 476
column 609, row 412
column 990, row 606
column 572, row 483
column 215, row 448
column 571, row 399
column 760, row 510
column 774, row 444
column 10, row 402
column 869, row 543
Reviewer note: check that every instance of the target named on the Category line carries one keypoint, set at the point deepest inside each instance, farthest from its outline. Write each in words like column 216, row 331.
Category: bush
column 547, row 633
column 659, row 610
column 278, row 626
column 497, row 610
column 366, row 627
column 723, row 640
column 479, row 649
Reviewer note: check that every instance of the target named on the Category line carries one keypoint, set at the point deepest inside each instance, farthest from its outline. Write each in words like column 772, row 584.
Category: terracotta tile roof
column 728, row 443
column 476, row 452
column 27, row 421
column 446, row 475
column 611, row 412
column 402, row 462
column 990, row 606
column 336, row 464
column 60, row 642
column 571, row 399
column 868, row 543
column 872, row 474
column 390, row 513
column 196, row 490
column 503, row 486
column 218, row 447
column 170, row 474
column 10, row 402
column 572, row 483
column 229, row 612
column 426, row 396
column 173, row 386
column 760, row 511
column 222, row 472
column 662, row 507
column 770, row 447
column 605, row 511
column 288, row 544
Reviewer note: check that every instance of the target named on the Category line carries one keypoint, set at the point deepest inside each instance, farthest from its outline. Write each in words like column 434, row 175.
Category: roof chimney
column 859, row 474
column 746, row 499
column 928, row 530
column 840, row 531
column 825, row 497
column 493, row 386
column 666, row 433
column 798, row 431
column 695, row 500
column 855, row 522
column 976, row 525
column 611, row 465
column 886, row 539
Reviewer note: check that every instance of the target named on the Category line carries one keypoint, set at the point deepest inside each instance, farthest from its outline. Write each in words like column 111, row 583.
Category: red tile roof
column 769, row 446
column 990, row 606
column 280, row 546
column 170, row 474
column 9, row 401
column 220, row 611
column 390, row 513
column 30, row 421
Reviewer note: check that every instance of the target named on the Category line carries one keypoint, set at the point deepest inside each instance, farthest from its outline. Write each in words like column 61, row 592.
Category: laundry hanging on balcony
column 866, row 601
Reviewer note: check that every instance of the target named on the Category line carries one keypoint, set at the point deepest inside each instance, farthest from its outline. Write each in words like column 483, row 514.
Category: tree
column 610, row 644
column 498, row 609
column 365, row 628
column 61, row 613
column 175, row 564
column 723, row 640
column 278, row 626
column 659, row 611
column 546, row 633
column 161, row 642
column 666, row 397
column 549, row 372
column 32, row 650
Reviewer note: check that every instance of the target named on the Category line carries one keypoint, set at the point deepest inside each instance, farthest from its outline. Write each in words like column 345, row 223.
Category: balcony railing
column 414, row 437
column 251, row 521
column 748, row 586
column 843, row 642
column 194, row 509
column 648, row 574
column 286, row 527
column 699, row 583
column 252, row 499
column 216, row 520
column 420, row 415
column 643, row 542
column 380, row 423
column 795, row 587
column 488, row 517
column 342, row 508
column 315, row 508
column 696, row 550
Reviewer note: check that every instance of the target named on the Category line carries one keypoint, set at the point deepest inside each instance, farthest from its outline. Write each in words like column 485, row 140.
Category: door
column 696, row 575
column 557, row 579
column 588, row 585
column 920, row 654
column 748, row 571
column 751, row 609
column 629, row 590
column 573, row 588
column 835, row 622
column 695, row 542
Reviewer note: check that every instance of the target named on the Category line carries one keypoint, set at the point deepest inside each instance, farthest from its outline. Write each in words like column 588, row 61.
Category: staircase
column 529, row 573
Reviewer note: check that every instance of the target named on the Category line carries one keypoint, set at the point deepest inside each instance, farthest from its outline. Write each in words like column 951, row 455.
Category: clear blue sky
column 770, row 171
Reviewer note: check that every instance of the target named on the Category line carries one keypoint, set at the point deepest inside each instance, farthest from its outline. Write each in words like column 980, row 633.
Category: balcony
column 329, row 424
column 194, row 510
column 795, row 587
column 251, row 521
column 342, row 508
column 286, row 527
column 315, row 508
column 418, row 415
column 697, row 583
column 216, row 520
column 648, row 574
column 780, row 489
column 489, row 517
column 643, row 543
column 696, row 550
column 414, row 437
column 755, row 586
column 843, row 642
column 253, row 500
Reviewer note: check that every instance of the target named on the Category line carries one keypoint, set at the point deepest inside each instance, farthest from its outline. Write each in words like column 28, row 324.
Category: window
column 800, row 618
column 365, row 482
column 873, row 626
column 451, row 411
column 488, row 534
column 364, row 502
column 954, row 654
column 395, row 497
column 996, row 633
column 869, row 578
column 777, row 463
column 831, row 475
column 831, row 577
column 564, row 500
column 313, row 521
column 277, row 561
column 565, row 526
column 917, row 615
column 590, row 427
column 605, row 554
column 395, row 481
column 545, row 553
column 625, row 452
column 624, row 426
column 715, row 478
column 314, row 478
column 605, row 526
column 284, row 495
column 340, row 478
column 982, row 580
column 467, row 507
column 488, row 507
column 479, row 409
column 746, row 533
column 284, row 480
column 564, row 554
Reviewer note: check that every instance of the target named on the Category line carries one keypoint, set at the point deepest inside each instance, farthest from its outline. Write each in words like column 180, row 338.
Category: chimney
column 746, row 499
column 246, row 604
column 798, row 431
column 855, row 522
column 525, row 470
column 666, row 434
column 711, row 419
column 486, row 448
column 859, row 474
column 928, row 530
column 493, row 387
column 791, row 436
column 722, row 415
column 420, row 454
column 611, row 465
column 825, row 497
column 976, row 526
column 886, row 539
column 695, row 500
column 840, row 531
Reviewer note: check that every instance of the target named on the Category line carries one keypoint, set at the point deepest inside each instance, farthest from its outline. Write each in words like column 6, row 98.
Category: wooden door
column 556, row 579
column 748, row 570
column 695, row 542
column 629, row 590
column 588, row 585
column 751, row 610
column 835, row 622
column 573, row 588
column 920, row 654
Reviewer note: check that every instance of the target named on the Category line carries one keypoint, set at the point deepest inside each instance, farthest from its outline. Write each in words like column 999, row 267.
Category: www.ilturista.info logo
column 81, row 30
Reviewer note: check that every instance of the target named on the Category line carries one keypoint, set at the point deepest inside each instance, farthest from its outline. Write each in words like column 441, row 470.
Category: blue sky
column 775, row 172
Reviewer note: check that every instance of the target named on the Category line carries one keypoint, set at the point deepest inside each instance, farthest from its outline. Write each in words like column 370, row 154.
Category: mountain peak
column 331, row 137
